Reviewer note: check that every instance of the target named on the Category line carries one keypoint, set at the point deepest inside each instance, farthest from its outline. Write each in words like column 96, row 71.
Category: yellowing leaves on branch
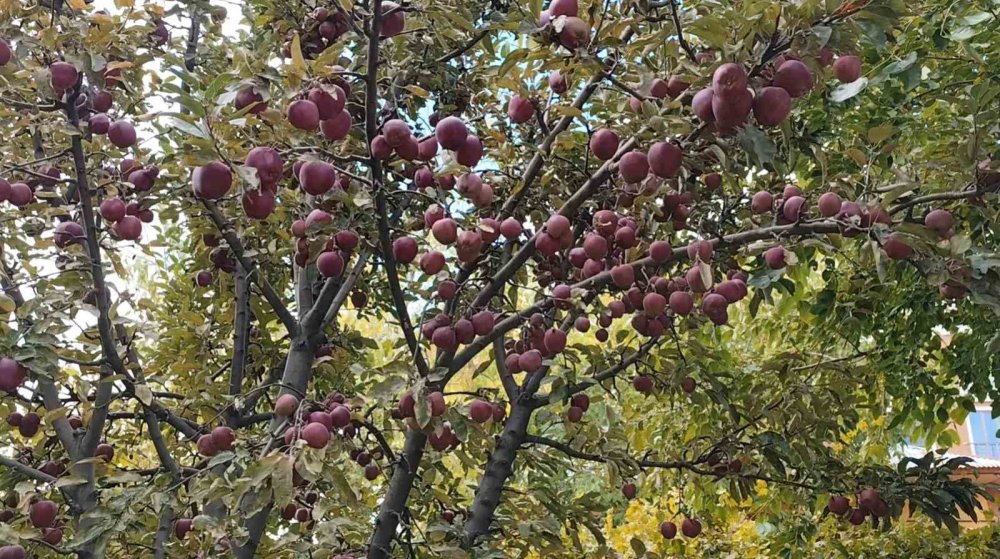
column 563, row 278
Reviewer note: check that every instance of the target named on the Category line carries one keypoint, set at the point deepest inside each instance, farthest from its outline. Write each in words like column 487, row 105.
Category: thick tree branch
column 25, row 470
column 378, row 184
column 241, row 336
column 499, row 468
column 499, row 358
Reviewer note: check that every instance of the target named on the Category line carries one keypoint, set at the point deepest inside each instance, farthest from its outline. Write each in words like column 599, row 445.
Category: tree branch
column 692, row 56
column 26, row 470
column 253, row 272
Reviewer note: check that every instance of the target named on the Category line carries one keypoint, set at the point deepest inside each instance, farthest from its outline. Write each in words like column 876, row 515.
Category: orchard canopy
column 497, row 279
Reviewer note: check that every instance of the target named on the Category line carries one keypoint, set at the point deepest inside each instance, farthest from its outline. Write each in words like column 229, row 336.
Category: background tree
column 443, row 279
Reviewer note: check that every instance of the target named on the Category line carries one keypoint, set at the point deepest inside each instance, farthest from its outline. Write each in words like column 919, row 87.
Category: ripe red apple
column 604, row 144
column 868, row 498
column 318, row 217
column 623, row 275
column 129, row 228
column 483, row 322
column 250, row 97
column 67, row 233
column 42, row 514
column 847, row 68
column 691, row 527
column 794, row 208
column 629, row 490
column 393, row 21
column 729, row 79
column 223, row 437
column 12, row 552
column 30, row 424
column 838, row 505
column 317, row 177
column 182, row 526
column 286, row 405
column 530, row 361
column 939, row 221
column 113, row 209
column 643, row 384
column 340, row 415
column 303, row 114
column 575, row 33
column 329, row 100
column 396, row 131
column 451, row 133
column 267, row 161
column 212, row 181
column 51, row 536
column 633, row 166
column 775, row 257
column 771, row 106
column 731, row 111
column 668, row 530
column 480, row 411
column 316, row 435
column 447, row 290
column 121, row 133
column 794, row 77
column 563, row 8
column 664, row 159
column 336, row 127
column 21, row 194
column 557, row 82
column 404, row 250
column 659, row 88
column 12, row 374
column 520, row 109
column 829, row 204
column 688, row 385
column 258, row 204
column 427, row 149
column 554, row 340
column 99, row 123
column 5, row 53
column 681, row 302
column 63, row 76
column 702, row 103
column 206, row 446
column 700, row 250
column 896, row 247
column 762, row 202
column 432, row 262
column 675, row 86
column 203, row 278
column 574, row 414
column 660, row 251
column 438, row 405
column 471, row 152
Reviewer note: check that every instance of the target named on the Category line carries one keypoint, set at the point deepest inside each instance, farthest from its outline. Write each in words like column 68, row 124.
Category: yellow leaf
column 7, row 304
column 298, row 63
column 124, row 3
column 418, row 91
column 77, row 4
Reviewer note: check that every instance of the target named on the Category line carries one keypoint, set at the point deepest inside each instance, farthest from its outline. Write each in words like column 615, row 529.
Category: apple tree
column 440, row 279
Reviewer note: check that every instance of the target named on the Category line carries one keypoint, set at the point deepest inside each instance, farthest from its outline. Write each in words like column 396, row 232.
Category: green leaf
column 845, row 91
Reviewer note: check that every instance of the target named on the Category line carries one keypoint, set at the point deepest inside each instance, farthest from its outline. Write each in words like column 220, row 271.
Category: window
column 983, row 434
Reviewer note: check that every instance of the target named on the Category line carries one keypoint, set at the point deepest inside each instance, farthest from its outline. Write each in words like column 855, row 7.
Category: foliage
column 848, row 331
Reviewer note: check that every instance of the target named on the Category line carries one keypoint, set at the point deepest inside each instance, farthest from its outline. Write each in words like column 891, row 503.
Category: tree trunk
column 499, row 467
column 391, row 511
